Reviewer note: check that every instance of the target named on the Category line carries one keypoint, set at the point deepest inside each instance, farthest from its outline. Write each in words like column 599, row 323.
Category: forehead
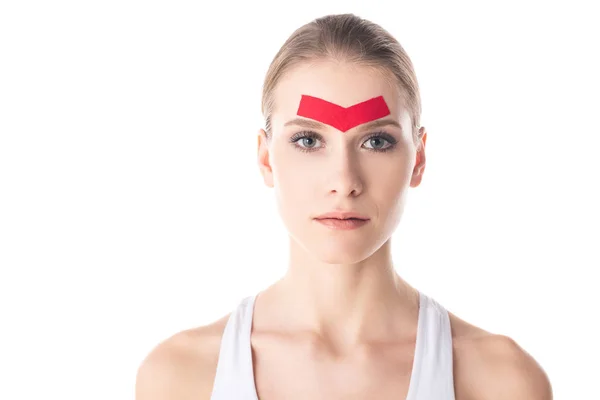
column 339, row 83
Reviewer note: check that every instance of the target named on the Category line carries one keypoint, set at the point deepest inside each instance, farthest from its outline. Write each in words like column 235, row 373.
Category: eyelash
column 313, row 135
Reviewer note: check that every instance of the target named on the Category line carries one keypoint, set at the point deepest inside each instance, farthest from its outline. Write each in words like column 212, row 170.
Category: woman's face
column 335, row 169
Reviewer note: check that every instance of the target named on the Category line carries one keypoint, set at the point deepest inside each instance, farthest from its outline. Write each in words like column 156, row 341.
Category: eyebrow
column 312, row 124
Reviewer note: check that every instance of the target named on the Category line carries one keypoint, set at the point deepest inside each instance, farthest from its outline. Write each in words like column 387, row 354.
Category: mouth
column 342, row 223
column 343, row 219
column 343, row 215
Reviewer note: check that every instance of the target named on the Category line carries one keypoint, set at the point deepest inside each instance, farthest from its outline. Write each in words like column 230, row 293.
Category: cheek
column 294, row 192
column 293, row 182
column 389, row 183
column 394, row 182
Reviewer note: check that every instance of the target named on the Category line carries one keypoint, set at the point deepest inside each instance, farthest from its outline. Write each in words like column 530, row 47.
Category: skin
column 341, row 323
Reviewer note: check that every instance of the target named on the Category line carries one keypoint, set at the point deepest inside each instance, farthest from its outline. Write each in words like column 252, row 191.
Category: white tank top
column 431, row 377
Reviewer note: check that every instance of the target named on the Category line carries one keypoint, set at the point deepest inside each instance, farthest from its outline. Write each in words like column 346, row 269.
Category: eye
column 377, row 139
column 309, row 138
column 306, row 138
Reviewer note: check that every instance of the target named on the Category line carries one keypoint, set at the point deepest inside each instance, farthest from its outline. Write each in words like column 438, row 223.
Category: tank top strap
column 234, row 377
column 432, row 376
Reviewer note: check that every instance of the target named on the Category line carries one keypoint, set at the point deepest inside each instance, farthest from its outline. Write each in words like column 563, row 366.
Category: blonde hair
column 345, row 37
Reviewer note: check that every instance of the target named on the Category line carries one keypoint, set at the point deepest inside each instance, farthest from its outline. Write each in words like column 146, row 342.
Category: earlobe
column 417, row 175
column 263, row 159
column 420, row 159
column 419, row 167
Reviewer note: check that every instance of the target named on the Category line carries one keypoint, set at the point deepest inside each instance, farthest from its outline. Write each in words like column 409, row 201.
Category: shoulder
column 502, row 369
column 182, row 366
column 491, row 366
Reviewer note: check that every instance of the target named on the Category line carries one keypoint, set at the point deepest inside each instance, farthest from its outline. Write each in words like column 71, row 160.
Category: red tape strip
column 339, row 117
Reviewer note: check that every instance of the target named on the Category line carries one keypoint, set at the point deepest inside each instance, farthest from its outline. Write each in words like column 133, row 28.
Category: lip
column 342, row 215
column 342, row 224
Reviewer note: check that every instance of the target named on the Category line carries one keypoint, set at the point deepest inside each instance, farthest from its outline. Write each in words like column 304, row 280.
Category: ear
column 419, row 167
column 263, row 158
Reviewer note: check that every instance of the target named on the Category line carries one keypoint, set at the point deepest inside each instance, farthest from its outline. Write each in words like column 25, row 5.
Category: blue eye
column 308, row 136
column 305, row 139
column 380, row 138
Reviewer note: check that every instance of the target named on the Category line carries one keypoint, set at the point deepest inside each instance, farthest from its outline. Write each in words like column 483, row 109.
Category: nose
column 344, row 175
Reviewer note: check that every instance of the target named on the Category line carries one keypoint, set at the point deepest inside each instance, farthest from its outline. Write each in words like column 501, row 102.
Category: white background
column 132, row 207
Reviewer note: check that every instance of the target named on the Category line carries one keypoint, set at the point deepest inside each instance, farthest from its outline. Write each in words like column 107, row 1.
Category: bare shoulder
column 182, row 366
column 490, row 366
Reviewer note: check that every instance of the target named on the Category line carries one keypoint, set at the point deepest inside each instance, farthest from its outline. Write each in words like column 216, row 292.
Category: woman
column 342, row 144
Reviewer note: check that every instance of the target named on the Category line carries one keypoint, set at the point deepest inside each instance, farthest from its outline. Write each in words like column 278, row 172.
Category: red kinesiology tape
column 339, row 117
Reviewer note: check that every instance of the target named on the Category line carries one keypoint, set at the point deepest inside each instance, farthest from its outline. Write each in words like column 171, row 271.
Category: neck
column 348, row 304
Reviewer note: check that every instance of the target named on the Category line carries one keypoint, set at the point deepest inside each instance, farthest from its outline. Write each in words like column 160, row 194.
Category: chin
column 334, row 251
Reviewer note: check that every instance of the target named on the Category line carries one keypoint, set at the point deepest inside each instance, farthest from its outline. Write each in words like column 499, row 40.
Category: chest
column 286, row 371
